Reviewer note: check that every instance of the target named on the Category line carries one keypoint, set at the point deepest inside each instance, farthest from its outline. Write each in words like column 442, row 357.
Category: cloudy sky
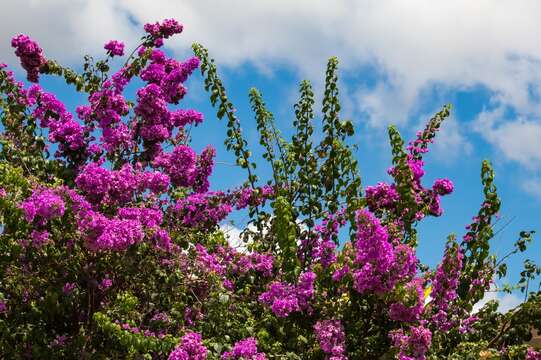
column 400, row 61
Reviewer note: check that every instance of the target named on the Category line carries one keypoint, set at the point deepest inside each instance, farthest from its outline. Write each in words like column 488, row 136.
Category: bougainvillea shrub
column 111, row 244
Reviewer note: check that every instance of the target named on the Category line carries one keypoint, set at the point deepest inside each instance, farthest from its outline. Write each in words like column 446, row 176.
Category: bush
column 111, row 247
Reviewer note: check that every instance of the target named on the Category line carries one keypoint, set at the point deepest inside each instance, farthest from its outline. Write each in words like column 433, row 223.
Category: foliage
column 111, row 247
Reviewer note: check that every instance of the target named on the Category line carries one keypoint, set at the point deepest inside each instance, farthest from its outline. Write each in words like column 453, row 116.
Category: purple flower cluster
column 180, row 165
column 284, row 298
column 183, row 117
column 531, row 354
column 63, row 129
column 165, row 78
column 444, row 286
column 30, row 54
column 118, row 232
column 112, row 234
column 209, row 261
column 39, row 238
column 379, row 265
column 253, row 197
column 262, row 263
column 382, row 196
column 443, row 186
column 106, row 107
column 412, row 345
column 42, row 206
column 114, row 48
column 205, row 163
column 331, row 338
column 244, row 350
column 324, row 250
column 154, row 122
column 146, row 216
column 152, row 108
column 466, row 326
column 166, row 29
column 190, row 348
column 118, row 187
column 374, row 255
column 202, row 210
column 105, row 284
column 411, row 304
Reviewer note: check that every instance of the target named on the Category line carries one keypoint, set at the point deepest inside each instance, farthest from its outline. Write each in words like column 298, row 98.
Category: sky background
column 400, row 61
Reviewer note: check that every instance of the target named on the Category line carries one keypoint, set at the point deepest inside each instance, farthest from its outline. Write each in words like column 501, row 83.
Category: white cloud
column 232, row 234
column 517, row 139
column 532, row 186
column 506, row 301
column 65, row 29
column 411, row 46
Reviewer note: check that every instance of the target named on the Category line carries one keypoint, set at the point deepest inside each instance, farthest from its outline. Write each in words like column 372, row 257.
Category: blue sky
column 399, row 63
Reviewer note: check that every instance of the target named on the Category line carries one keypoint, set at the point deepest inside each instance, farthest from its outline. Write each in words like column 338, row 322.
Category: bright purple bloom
column 244, row 350
column 180, row 165
column 443, row 186
column 411, row 306
column 204, row 165
column 30, row 54
column 42, row 206
column 412, row 345
column 105, row 284
column 190, row 348
column 166, row 29
column 114, row 48
column 381, row 196
column 374, row 255
column 182, row 118
column 331, row 338
column 445, row 285
column 282, row 299
column 202, row 210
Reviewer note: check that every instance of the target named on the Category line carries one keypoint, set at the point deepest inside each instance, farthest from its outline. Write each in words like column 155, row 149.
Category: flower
column 412, row 344
column 166, row 29
column 245, row 349
column 331, row 338
column 445, row 285
column 443, row 186
column 374, row 255
column 114, row 48
column 531, row 354
column 190, row 348
column 30, row 54
column 68, row 288
column 105, row 284
column 43, row 205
